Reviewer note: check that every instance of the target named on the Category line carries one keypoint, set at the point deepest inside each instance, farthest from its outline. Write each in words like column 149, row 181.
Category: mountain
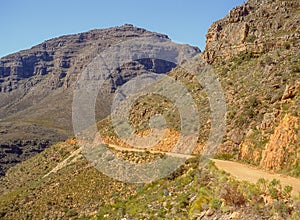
column 256, row 27
column 254, row 52
column 36, row 87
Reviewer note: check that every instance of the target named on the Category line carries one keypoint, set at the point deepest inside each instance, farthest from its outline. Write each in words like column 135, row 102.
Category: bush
column 286, row 45
column 287, row 191
column 242, row 57
column 215, row 203
column 231, row 195
column 269, row 61
column 225, row 156
column 71, row 213
column 253, row 102
column 250, row 38
column 200, row 204
column 274, row 188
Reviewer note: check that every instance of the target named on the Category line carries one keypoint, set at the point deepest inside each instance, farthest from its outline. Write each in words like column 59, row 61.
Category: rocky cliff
column 257, row 26
column 255, row 52
column 55, row 64
column 282, row 145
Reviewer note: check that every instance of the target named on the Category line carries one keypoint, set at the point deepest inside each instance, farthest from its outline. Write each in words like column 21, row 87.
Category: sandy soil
column 252, row 174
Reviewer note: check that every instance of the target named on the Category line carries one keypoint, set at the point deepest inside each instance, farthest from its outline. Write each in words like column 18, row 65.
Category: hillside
column 78, row 190
column 258, row 64
column 254, row 51
column 37, row 85
column 261, row 88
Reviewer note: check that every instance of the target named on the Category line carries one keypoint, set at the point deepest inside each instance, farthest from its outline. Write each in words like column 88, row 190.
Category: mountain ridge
column 36, row 87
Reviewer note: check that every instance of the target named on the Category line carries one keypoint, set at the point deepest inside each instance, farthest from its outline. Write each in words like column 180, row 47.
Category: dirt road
column 238, row 170
column 252, row 174
column 171, row 154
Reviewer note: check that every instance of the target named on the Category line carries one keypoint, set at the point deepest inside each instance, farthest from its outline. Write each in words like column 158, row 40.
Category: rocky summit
column 257, row 26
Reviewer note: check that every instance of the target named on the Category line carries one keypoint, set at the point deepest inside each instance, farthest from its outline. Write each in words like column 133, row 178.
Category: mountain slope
column 262, row 94
column 36, row 87
column 255, row 52
column 260, row 80
column 78, row 190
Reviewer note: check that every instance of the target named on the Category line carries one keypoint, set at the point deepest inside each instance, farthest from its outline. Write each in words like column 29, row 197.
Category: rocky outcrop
column 255, row 52
column 249, row 152
column 290, row 91
column 254, row 27
column 280, row 151
column 282, row 148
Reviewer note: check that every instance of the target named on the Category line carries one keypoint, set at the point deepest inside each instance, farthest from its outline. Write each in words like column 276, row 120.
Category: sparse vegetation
column 260, row 78
column 187, row 193
column 250, row 38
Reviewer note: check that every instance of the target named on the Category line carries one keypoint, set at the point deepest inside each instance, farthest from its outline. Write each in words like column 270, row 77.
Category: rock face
column 255, row 52
column 281, row 150
column 256, row 27
column 56, row 63
column 282, row 145
column 36, row 87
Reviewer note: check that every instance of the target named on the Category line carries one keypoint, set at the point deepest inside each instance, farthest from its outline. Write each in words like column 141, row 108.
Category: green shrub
column 215, row 203
column 287, row 191
column 224, row 156
column 71, row 213
column 200, row 204
column 296, row 68
column 250, row 38
column 274, row 188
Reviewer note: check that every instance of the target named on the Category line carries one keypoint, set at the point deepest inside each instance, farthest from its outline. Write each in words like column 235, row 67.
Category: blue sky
column 25, row 23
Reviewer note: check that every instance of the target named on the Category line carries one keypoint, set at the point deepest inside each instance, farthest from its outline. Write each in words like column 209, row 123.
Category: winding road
column 240, row 171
